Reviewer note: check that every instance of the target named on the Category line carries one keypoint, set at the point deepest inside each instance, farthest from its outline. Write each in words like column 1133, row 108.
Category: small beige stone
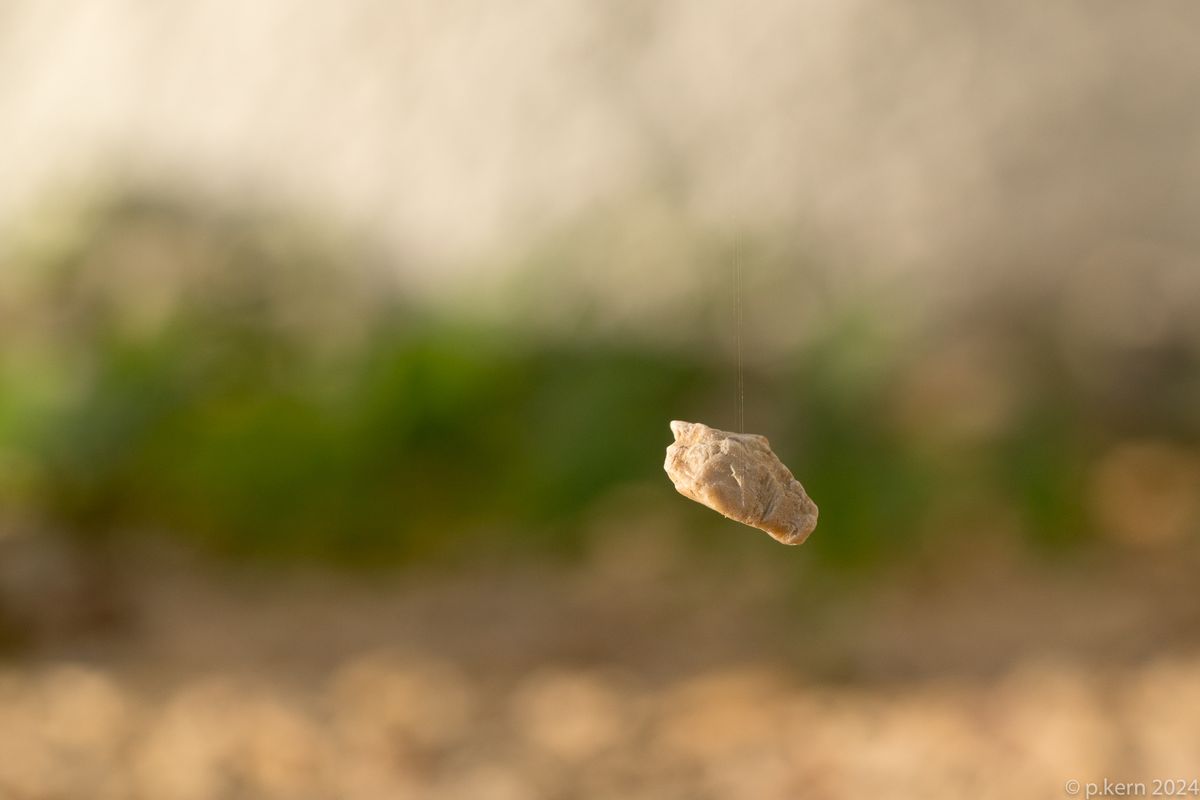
column 737, row 475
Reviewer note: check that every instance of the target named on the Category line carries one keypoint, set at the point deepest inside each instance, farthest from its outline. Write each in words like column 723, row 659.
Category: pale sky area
column 898, row 142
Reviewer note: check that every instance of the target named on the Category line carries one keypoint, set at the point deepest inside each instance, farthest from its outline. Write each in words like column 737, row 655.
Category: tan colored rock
column 737, row 475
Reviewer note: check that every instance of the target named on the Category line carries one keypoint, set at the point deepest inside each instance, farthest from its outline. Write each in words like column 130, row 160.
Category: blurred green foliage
column 219, row 378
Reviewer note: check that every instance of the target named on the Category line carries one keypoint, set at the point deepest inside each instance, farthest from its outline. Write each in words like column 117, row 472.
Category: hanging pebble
column 737, row 475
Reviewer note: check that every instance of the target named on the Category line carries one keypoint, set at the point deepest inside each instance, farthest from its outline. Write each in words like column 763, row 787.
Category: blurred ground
column 637, row 672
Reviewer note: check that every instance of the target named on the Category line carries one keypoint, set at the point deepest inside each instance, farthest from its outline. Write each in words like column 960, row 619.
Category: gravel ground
column 637, row 674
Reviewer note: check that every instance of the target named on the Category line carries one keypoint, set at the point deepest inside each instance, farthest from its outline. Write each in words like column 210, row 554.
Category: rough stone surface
column 737, row 475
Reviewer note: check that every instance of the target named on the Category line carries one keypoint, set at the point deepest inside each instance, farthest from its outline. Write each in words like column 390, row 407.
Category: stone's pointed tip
column 794, row 539
column 679, row 427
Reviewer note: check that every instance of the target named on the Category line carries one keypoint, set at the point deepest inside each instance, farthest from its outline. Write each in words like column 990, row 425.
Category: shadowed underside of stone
column 737, row 475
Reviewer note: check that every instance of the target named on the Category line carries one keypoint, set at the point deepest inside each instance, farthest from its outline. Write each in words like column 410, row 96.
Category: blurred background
column 338, row 347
